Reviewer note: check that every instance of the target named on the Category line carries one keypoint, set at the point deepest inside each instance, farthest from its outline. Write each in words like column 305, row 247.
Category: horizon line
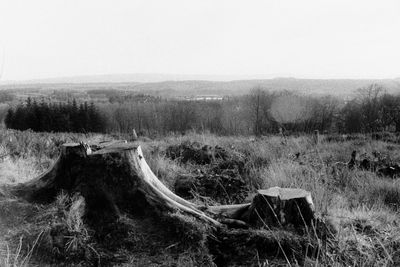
column 172, row 77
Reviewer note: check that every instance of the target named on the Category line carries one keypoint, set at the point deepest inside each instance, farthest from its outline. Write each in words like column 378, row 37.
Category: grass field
column 362, row 206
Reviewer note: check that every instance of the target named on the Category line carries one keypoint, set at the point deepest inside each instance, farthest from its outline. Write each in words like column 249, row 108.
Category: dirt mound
column 221, row 188
column 196, row 153
column 219, row 178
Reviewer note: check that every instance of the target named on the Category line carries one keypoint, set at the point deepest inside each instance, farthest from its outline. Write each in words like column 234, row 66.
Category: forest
column 55, row 117
column 260, row 112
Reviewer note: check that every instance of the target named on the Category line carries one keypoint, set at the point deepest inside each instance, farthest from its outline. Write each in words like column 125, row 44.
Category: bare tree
column 390, row 108
column 260, row 101
column 370, row 106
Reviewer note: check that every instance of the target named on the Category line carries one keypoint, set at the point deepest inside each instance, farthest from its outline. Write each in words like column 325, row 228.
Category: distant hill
column 175, row 88
column 134, row 77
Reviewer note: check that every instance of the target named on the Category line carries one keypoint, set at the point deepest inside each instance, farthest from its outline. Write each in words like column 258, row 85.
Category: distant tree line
column 55, row 117
column 371, row 109
column 137, row 98
column 120, row 96
column 260, row 112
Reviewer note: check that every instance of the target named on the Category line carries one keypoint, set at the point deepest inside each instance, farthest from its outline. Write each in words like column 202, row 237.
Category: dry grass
column 53, row 233
column 363, row 207
column 16, row 258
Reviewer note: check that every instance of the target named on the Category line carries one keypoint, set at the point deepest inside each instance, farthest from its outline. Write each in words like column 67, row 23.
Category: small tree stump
column 279, row 207
column 272, row 207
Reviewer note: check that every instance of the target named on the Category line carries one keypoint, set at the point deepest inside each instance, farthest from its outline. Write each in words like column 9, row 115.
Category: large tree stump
column 112, row 178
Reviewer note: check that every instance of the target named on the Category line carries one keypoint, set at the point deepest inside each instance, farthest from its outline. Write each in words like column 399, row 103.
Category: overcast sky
column 305, row 39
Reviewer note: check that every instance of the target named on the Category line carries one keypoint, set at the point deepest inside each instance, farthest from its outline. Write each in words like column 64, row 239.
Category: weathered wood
column 272, row 207
column 229, row 211
column 156, row 192
column 104, row 144
column 280, row 206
